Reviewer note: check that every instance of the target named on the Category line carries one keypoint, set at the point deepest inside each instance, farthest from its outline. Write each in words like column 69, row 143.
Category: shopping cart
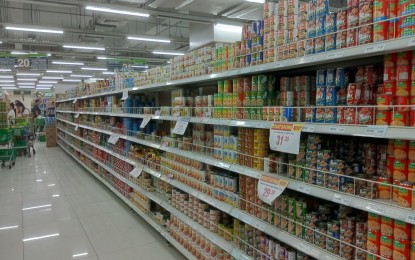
column 7, row 152
column 21, row 140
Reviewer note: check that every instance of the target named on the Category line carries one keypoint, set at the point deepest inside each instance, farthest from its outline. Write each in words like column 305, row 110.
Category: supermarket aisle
column 50, row 208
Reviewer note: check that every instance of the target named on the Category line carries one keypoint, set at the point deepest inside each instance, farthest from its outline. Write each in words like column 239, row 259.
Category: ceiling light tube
column 228, row 27
column 108, row 73
column 71, row 46
column 26, row 83
column 139, row 66
column 68, row 63
column 115, row 11
column 27, row 74
column 6, row 76
column 5, row 70
column 80, row 254
column 44, row 86
column 18, row 53
column 169, row 53
column 48, row 77
column 6, row 81
column 47, row 82
column 80, row 76
column 183, row 4
column 59, row 71
column 26, row 79
column 104, row 58
column 148, row 39
column 256, row 1
column 7, row 85
column 9, row 88
column 27, row 28
column 93, row 68
column 26, row 87
column 71, row 80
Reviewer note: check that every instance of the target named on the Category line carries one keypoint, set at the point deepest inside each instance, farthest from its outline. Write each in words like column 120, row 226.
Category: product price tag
column 285, row 137
column 146, row 120
column 411, row 42
column 375, row 48
column 410, row 218
column 181, row 125
column 270, row 188
column 304, row 188
column 280, row 64
column 76, row 127
column 157, row 113
column 375, row 209
column 341, row 199
column 75, row 101
column 77, row 115
column 259, row 226
column 336, row 129
column 113, row 139
column 137, row 171
column 124, row 94
column 376, row 130
column 206, row 117
column 309, row 128
column 334, row 55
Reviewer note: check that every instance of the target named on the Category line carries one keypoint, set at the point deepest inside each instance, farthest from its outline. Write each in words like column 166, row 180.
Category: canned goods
column 400, row 118
column 374, row 221
column 402, row 230
column 320, row 44
column 354, row 91
column 387, row 225
column 400, row 170
column 383, row 117
column 351, row 39
column 341, row 19
column 373, row 240
column 380, row 31
column 365, row 116
column 365, row 34
column 380, row 10
column 386, row 246
column 353, row 16
column 405, row 195
column 365, row 12
column 384, row 101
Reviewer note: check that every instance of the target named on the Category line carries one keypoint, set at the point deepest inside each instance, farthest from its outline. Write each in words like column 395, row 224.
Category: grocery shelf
column 392, row 132
column 279, row 234
column 367, row 50
column 163, row 202
column 369, row 205
column 156, row 226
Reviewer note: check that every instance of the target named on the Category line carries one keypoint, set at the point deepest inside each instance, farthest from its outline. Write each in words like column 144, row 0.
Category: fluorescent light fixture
column 26, row 83
column 9, row 88
column 48, row 77
column 1, row 42
column 71, row 46
column 26, row 87
column 183, row 4
column 114, row 11
column 6, row 81
column 228, row 27
column 39, row 180
column 256, row 1
column 71, row 80
column 41, row 237
column 148, row 39
column 7, row 85
column 49, row 54
column 54, row 195
column 92, row 79
column 51, row 185
column 81, row 76
column 93, row 68
column 27, row 74
column 43, row 86
column 108, row 73
column 18, row 53
column 80, row 254
column 33, row 29
column 68, row 63
column 5, row 70
column 6, row 77
column 47, row 82
column 38, row 207
column 59, row 71
column 104, row 58
column 26, row 79
column 139, row 66
column 177, row 53
column 9, row 227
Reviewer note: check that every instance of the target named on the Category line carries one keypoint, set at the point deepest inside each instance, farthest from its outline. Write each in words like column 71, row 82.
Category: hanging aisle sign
column 28, row 61
column 285, row 137
column 270, row 188
column 124, row 94
column 113, row 139
column 181, row 125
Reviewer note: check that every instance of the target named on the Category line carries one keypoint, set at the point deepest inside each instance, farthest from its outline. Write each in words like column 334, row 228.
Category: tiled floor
column 50, row 208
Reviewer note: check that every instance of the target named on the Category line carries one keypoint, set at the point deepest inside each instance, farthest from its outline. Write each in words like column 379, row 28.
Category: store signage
column 76, row 100
column 76, row 127
column 48, row 94
column 77, row 115
column 146, row 120
column 124, row 94
column 181, row 125
column 24, row 62
column 376, row 130
column 136, row 172
column 270, row 188
column 113, row 139
column 285, row 137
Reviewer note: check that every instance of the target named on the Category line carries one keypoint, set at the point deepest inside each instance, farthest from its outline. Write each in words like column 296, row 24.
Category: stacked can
column 405, row 24
column 348, row 235
column 361, row 239
column 323, row 166
column 253, row 145
column 313, row 146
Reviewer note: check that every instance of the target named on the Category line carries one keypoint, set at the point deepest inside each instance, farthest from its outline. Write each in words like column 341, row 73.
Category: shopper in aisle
column 22, row 111
column 36, row 108
column 11, row 116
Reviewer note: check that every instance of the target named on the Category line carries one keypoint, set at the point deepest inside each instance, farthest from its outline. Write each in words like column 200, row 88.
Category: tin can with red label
column 412, row 117
column 400, row 118
column 407, row 31
column 405, row 194
column 353, row 16
column 354, row 92
column 402, row 101
column 380, row 10
column 384, row 101
column 352, row 2
column 341, row 40
column 389, row 87
column 403, row 72
column 351, row 38
column 405, row 7
column 380, row 31
column 341, row 21
column 383, row 117
column 403, row 88
column 365, row 116
column 365, row 12
column 393, row 8
column 365, row 34
column 350, row 116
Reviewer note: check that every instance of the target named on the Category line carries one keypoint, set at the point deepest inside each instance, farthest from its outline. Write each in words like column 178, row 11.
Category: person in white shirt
column 11, row 116
column 22, row 111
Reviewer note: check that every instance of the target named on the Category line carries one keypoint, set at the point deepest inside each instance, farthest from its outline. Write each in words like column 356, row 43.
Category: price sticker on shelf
column 136, row 172
column 77, row 115
column 76, row 100
column 342, row 199
column 181, row 125
column 76, row 127
column 336, row 129
column 113, row 139
column 375, row 48
column 157, row 113
column 334, row 55
column 146, row 120
column 309, row 128
column 376, row 130
column 124, row 94
column 378, row 209
column 285, row 137
column 410, row 218
column 270, row 188
column 304, row 188
column 259, row 226
column 411, row 42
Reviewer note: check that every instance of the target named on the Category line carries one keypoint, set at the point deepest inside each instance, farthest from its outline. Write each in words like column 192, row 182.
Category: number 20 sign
column 285, row 137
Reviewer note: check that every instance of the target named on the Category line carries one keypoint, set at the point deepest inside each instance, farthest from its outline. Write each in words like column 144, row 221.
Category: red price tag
column 270, row 188
column 285, row 137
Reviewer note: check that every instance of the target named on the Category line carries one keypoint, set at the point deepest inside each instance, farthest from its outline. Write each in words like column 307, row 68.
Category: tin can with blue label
column 331, row 22
column 330, row 77
column 321, row 96
column 310, row 115
column 331, row 42
column 311, row 28
column 320, row 44
column 320, row 115
column 248, row 59
column 321, row 26
column 321, row 78
column 330, row 115
column 342, row 77
column 287, row 114
column 331, row 96
column 310, row 46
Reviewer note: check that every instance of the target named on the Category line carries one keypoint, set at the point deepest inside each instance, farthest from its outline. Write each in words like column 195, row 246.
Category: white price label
column 285, row 137
column 124, row 94
column 375, row 209
column 336, row 129
column 270, row 188
column 76, row 127
column 341, row 199
column 304, row 188
column 410, row 218
column 146, row 120
column 113, row 139
column 280, row 64
column 157, row 113
column 137, row 171
column 375, row 48
column 77, row 115
column 309, row 128
column 411, row 42
column 181, row 125
column 335, row 55
column 376, row 130
column 259, row 226
column 75, row 101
